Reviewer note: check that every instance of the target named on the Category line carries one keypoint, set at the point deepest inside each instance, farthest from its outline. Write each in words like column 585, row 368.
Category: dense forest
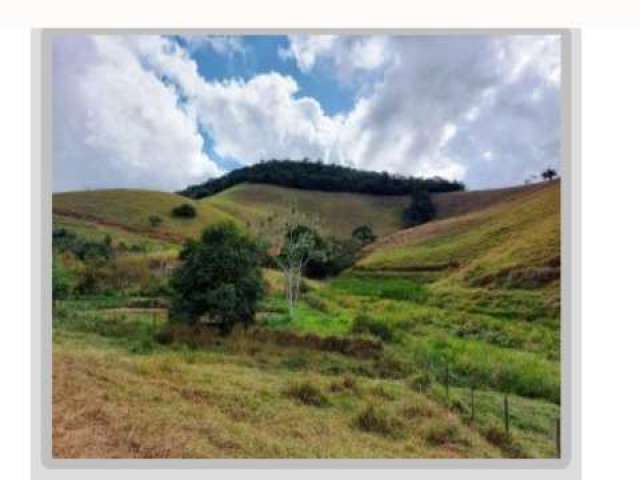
column 309, row 175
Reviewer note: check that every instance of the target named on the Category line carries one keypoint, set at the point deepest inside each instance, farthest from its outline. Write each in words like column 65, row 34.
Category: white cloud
column 128, row 109
column 116, row 124
column 221, row 44
column 347, row 56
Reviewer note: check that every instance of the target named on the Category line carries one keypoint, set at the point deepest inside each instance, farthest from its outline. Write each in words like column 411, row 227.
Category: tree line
column 308, row 175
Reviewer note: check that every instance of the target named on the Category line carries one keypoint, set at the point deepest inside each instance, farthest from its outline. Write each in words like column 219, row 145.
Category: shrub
column 64, row 240
column 155, row 220
column 60, row 279
column 363, row 235
column 379, row 421
column 185, row 210
column 219, row 279
column 364, row 323
column 308, row 394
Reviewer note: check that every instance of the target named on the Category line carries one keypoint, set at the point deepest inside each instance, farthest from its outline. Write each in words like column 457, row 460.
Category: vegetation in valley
column 400, row 343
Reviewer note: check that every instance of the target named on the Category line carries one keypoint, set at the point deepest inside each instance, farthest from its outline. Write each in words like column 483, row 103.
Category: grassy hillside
column 452, row 204
column 515, row 242
column 378, row 362
column 340, row 212
column 117, row 393
column 130, row 210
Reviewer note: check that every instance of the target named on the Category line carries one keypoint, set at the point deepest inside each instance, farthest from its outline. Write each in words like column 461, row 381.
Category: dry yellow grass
column 112, row 404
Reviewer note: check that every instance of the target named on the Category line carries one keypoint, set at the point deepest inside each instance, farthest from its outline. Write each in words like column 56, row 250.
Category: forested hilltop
column 309, row 175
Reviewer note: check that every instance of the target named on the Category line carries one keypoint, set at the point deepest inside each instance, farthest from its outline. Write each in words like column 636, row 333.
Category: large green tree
column 219, row 280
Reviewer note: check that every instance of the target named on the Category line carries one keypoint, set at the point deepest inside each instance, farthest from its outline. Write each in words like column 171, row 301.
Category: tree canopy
column 309, row 175
column 219, row 280
column 420, row 210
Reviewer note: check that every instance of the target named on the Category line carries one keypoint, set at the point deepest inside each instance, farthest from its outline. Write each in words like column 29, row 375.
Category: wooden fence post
column 506, row 413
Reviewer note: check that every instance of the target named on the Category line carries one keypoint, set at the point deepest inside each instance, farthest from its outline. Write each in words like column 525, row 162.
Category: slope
column 339, row 213
column 129, row 210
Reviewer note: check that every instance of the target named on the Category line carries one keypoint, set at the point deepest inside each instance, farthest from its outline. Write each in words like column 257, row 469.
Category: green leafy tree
column 420, row 210
column 363, row 234
column 219, row 279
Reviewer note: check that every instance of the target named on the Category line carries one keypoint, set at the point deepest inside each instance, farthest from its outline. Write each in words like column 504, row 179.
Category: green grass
column 118, row 393
column 475, row 295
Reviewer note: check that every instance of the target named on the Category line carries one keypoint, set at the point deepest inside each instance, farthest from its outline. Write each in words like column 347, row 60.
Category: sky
column 164, row 112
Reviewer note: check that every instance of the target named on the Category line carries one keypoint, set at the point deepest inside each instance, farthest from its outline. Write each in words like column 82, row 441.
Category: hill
column 306, row 175
column 515, row 242
column 384, row 359
column 129, row 210
column 339, row 212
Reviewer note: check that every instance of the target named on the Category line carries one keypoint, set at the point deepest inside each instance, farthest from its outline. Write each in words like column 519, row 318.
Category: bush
column 155, row 220
column 67, row 241
column 61, row 280
column 377, row 420
column 219, row 281
column 308, row 394
column 185, row 210
column 363, row 235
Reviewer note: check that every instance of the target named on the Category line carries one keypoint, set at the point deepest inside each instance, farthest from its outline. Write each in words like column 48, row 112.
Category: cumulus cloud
column 117, row 124
column 478, row 108
column 131, row 110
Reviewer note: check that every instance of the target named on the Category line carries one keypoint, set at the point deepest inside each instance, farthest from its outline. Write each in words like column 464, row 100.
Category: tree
column 549, row 174
column 363, row 234
column 299, row 243
column 185, row 210
column 219, row 280
column 155, row 220
column 420, row 210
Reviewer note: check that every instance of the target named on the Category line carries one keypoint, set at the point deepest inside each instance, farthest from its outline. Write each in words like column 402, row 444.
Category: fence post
column 558, row 438
column 506, row 413
column 473, row 404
